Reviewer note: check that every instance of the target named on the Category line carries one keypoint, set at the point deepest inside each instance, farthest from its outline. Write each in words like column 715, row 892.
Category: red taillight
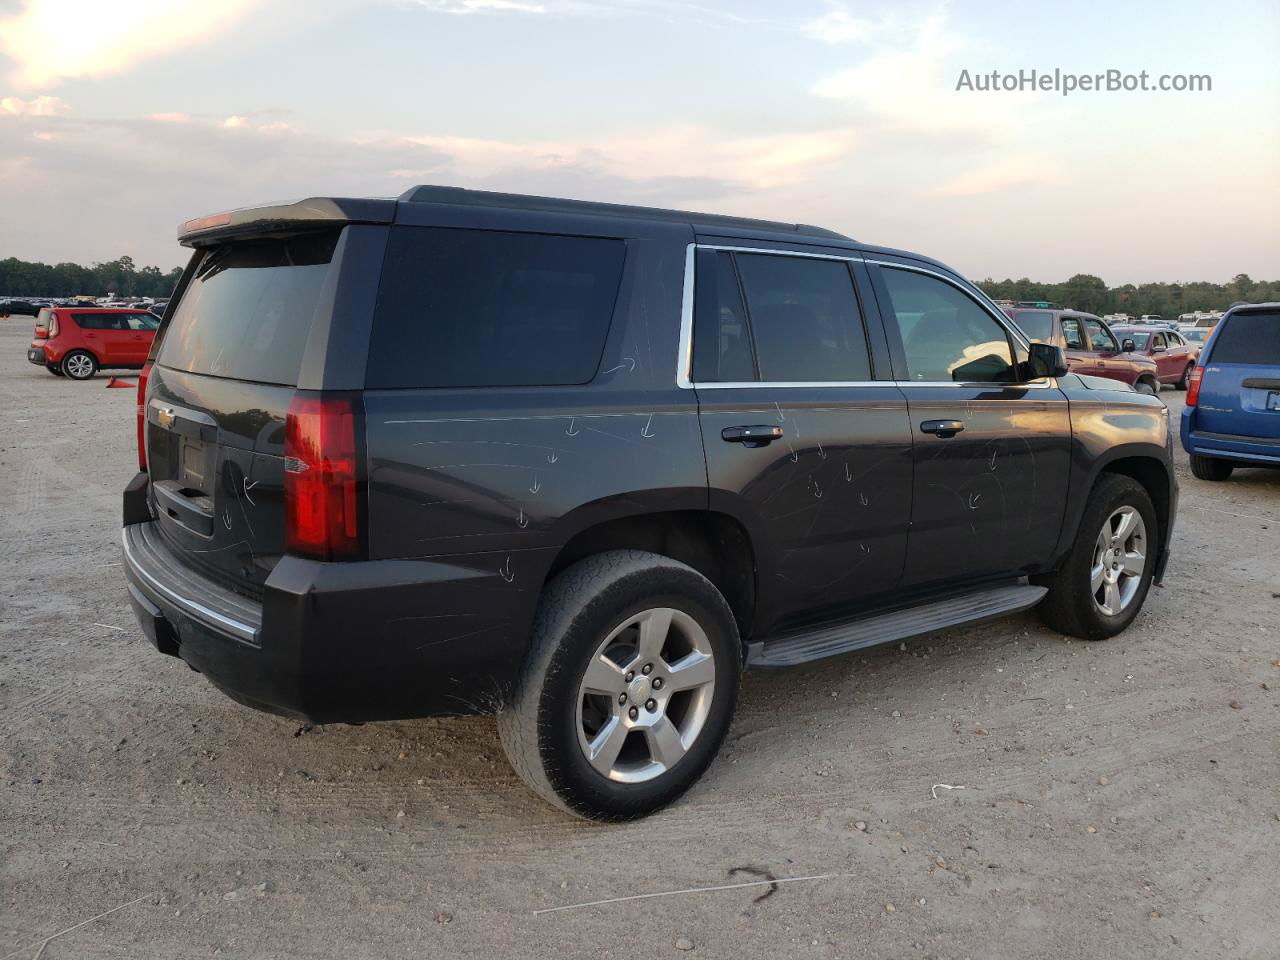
column 321, row 477
column 42, row 333
column 142, row 415
column 1193, row 385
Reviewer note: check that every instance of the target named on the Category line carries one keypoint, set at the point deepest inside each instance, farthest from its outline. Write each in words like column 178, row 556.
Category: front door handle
column 756, row 436
column 942, row 428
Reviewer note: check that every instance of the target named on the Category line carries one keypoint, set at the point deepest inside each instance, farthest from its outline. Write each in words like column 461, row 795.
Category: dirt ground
column 1119, row 799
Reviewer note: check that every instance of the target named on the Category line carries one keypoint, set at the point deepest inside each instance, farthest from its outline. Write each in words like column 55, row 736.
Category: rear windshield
column 482, row 308
column 1036, row 324
column 248, row 309
column 1252, row 338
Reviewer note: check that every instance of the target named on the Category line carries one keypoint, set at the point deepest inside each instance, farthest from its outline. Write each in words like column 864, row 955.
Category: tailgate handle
column 1261, row 383
column 182, row 508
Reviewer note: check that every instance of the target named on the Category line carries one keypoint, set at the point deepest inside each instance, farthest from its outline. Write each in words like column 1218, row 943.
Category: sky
column 120, row 119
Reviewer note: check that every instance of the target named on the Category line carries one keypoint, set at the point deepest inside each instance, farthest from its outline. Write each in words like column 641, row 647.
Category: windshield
column 1036, row 324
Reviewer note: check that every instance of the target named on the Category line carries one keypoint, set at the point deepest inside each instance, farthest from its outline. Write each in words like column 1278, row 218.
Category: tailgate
column 225, row 373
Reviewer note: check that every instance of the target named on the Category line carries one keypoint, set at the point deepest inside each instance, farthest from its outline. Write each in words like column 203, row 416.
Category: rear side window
column 96, row 321
column 481, row 308
column 946, row 336
column 248, row 309
column 1251, row 338
column 800, row 321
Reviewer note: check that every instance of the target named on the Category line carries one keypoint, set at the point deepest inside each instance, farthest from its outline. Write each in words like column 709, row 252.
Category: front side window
column 1100, row 339
column 946, row 336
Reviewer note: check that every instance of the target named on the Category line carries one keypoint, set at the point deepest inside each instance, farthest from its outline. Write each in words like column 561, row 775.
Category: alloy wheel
column 645, row 695
column 1119, row 559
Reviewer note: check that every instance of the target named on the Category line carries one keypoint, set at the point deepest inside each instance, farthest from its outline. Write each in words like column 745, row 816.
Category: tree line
column 1169, row 300
column 23, row 278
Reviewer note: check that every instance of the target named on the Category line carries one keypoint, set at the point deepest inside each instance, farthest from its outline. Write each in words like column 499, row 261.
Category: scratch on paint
column 629, row 366
column 993, row 459
column 571, row 431
column 552, row 457
column 864, row 548
column 646, row 432
column 247, row 487
column 782, row 417
column 862, row 498
column 973, row 500
column 506, row 572
column 226, row 519
column 795, row 457
column 817, row 490
column 848, row 477
column 536, row 485
column 522, row 521
column 822, row 454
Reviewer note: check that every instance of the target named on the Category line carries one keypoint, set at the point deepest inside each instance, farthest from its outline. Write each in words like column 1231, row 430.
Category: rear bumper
column 1257, row 450
column 37, row 355
column 376, row 640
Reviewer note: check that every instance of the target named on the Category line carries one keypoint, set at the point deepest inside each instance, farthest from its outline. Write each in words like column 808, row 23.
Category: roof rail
column 428, row 193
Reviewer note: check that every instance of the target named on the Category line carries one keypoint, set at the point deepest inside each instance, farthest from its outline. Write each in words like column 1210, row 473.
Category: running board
column 790, row 650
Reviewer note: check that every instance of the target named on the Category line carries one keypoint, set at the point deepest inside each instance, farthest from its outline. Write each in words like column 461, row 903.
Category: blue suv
column 1232, row 417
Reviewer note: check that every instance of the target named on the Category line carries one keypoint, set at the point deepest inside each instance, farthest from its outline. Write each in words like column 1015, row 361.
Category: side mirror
column 1127, row 346
column 1046, row 360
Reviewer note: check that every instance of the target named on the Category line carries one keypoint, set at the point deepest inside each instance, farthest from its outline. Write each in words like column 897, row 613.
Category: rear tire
column 79, row 365
column 1147, row 387
column 54, row 369
column 1073, row 605
column 591, row 624
column 1210, row 468
column 1185, row 381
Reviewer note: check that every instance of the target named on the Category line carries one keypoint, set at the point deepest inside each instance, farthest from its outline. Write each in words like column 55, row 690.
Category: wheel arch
column 1152, row 471
column 715, row 544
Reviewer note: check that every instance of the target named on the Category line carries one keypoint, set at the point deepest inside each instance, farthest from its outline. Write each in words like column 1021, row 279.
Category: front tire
column 1147, row 387
column 628, row 687
column 1210, row 468
column 1185, row 380
column 1104, row 581
column 79, row 365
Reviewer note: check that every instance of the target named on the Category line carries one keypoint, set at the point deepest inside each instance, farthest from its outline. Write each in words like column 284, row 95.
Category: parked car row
column 1144, row 357
column 25, row 307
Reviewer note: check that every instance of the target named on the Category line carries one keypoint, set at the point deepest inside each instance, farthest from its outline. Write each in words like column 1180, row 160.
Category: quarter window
column 946, row 335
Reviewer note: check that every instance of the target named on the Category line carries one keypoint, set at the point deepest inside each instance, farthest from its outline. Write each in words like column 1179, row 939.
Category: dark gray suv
column 581, row 464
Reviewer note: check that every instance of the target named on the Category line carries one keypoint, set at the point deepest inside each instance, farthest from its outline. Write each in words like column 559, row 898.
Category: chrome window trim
column 684, row 355
column 192, row 607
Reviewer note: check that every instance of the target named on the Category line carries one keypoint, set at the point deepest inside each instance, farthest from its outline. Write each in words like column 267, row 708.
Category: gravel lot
column 1120, row 799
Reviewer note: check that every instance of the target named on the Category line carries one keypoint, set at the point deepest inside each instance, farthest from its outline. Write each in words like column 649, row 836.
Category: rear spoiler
column 312, row 213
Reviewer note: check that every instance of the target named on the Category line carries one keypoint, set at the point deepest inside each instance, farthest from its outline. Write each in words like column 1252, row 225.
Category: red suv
column 77, row 341
column 1090, row 346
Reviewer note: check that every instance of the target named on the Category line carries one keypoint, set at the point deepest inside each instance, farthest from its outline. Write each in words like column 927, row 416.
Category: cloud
column 838, row 25
column 53, row 40
column 685, row 151
column 37, row 107
column 170, row 117
column 463, row 7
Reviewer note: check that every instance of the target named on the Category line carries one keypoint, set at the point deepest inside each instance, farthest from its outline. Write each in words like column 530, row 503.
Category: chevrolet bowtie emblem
column 165, row 417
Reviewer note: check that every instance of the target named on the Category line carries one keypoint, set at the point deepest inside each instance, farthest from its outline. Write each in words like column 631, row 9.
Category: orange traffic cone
column 118, row 382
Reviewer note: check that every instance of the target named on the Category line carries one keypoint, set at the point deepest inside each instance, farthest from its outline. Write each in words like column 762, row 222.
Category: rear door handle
column 753, row 436
column 942, row 428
